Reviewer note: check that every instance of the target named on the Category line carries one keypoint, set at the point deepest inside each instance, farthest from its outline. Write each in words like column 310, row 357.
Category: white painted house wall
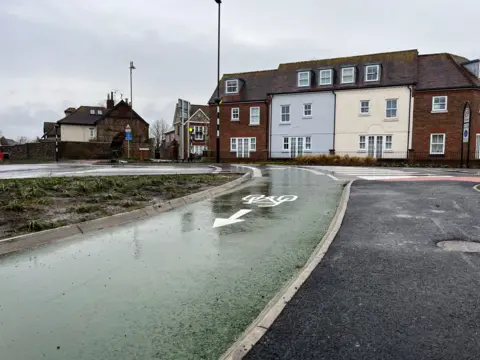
column 351, row 124
column 77, row 132
column 318, row 127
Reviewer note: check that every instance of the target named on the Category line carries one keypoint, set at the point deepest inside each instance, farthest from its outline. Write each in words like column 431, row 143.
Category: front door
column 296, row 146
column 375, row 146
column 242, row 148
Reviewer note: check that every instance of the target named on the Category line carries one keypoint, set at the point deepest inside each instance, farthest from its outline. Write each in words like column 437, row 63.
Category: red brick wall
column 451, row 123
column 241, row 128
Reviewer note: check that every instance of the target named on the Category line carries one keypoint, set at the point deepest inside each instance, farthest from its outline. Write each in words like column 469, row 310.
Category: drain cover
column 459, row 245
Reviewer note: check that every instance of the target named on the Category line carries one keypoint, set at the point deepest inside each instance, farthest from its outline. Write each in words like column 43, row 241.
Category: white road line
column 217, row 169
column 257, row 173
column 318, row 173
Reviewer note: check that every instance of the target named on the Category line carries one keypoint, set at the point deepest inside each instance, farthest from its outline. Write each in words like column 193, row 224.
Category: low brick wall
column 41, row 151
column 76, row 150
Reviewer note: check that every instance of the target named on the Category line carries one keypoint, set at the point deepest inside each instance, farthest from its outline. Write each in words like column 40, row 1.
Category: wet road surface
column 67, row 169
column 170, row 287
column 385, row 290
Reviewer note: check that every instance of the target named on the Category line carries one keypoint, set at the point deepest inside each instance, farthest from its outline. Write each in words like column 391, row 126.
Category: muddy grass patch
column 29, row 205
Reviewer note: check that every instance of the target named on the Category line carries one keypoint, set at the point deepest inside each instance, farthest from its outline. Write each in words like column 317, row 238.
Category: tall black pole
column 219, row 2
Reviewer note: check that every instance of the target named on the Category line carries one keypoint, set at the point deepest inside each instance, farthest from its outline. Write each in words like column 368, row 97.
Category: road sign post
column 128, row 137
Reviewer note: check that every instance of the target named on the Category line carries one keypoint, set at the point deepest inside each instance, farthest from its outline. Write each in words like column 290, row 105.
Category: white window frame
column 362, row 140
column 307, row 143
column 367, row 67
column 300, row 79
column 252, row 144
column 439, row 110
column 352, row 68
column 228, row 83
column 305, row 115
column 196, row 136
column 254, row 117
column 287, row 141
column 237, row 112
column 233, row 144
column 330, row 77
column 386, row 148
column 92, row 111
column 387, row 108
column 99, row 112
column 362, row 107
column 286, row 114
column 443, row 143
column 91, row 132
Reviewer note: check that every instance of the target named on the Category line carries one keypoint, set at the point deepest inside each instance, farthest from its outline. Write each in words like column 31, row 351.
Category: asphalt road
column 169, row 287
column 79, row 169
column 384, row 290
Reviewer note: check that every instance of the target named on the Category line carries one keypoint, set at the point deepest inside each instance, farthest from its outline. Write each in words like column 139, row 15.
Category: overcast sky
column 60, row 53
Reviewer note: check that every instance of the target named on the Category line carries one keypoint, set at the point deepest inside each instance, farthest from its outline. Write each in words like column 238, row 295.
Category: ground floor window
column 437, row 144
column 375, row 145
column 198, row 149
column 297, row 145
column 243, row 146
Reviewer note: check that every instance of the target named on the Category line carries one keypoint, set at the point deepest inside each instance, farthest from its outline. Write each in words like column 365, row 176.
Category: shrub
column 335, row 160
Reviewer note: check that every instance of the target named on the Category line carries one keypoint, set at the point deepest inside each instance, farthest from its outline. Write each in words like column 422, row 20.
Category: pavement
column 89, row 169
column 384, row 289
column 384, row 173
column 180, row 285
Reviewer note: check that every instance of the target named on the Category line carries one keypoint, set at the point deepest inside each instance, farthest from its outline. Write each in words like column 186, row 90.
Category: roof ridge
column 350, row 57
column 251, row 72
column 466, row 74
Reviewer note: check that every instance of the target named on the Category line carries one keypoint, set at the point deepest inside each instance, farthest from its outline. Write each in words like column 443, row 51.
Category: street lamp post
column 217, row 100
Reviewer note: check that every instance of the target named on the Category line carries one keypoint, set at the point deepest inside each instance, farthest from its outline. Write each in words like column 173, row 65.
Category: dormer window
column 372, row 73
column 99, row 112
column 348, row 75
column 92, row 111
column 231, row 86
column 304, row 79
column 326, row 77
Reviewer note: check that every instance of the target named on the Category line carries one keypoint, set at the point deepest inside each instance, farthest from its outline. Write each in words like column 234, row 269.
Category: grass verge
column 30, row 205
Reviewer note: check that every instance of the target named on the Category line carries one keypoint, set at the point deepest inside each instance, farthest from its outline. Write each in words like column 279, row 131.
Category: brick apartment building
column 244, row 116
column 446, row 83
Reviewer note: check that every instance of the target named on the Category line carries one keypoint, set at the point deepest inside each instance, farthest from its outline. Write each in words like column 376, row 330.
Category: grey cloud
column 174, row 60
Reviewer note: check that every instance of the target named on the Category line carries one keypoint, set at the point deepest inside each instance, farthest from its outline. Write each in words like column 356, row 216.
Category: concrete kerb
column 476, row 187
column 273, row 309
column 22, row 242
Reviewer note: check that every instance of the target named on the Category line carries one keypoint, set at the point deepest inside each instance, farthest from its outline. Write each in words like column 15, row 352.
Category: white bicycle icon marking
column 268, row 201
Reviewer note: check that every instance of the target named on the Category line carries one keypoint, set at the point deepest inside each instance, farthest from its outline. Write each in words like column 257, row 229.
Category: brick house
column 97, row 124
column 197, row 119
column 445, row 84
column 244, row 116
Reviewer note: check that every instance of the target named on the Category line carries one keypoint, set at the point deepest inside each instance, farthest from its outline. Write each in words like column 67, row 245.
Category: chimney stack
column 110, row 101
column 69, row 111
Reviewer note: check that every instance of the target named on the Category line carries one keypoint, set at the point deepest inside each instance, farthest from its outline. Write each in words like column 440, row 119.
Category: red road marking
column 438, row 178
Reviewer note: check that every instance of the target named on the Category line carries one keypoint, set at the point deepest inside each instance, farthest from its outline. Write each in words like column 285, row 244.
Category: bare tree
column 21, row 140
column 157, row 131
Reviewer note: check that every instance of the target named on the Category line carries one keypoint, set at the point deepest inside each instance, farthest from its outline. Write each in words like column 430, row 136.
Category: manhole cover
column 459, row 245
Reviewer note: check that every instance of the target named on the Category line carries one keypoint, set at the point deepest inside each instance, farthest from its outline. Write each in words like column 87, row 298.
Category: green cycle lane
column 168, row 287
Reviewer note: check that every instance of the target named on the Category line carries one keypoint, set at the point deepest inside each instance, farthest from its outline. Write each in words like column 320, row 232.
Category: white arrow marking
column 232, row 219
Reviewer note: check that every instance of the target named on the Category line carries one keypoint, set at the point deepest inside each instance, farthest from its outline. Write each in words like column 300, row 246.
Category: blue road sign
column 128, row 136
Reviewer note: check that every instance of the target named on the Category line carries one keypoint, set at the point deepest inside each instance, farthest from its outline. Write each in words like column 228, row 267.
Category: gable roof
column 396, row 68
column 255, row 86
column 82, row 116
column 4, row 141
column 195, row 108
column 48, row 129
column 444, row 71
